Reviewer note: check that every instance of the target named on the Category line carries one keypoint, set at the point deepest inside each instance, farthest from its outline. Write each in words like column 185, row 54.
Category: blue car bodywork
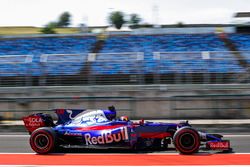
column 100, row 129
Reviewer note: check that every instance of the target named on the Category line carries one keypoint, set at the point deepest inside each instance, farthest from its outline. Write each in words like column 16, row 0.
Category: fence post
column 172, row 107
column 141, row 73
column 133, row 102
column 157, row 68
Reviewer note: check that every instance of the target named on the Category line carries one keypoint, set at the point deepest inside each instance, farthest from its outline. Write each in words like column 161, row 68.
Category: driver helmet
column 110, row 113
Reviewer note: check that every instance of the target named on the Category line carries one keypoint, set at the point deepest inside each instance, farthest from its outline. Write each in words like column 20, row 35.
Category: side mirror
column 141, row 122
column 184, row 123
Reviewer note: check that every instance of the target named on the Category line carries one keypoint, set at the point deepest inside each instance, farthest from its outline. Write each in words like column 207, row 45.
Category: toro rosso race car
column 100, row 129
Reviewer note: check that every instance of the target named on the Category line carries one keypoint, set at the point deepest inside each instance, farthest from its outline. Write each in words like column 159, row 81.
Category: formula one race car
column 101, row 129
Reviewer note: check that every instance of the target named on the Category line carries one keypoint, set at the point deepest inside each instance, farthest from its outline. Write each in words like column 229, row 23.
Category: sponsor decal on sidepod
column 68, row 133
column 107, row 137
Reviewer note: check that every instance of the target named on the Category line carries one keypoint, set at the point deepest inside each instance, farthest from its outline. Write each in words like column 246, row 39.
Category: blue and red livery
column 100, row 129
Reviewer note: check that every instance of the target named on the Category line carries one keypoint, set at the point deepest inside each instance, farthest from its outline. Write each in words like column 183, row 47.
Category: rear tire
column 43, row 140
column 187, row 140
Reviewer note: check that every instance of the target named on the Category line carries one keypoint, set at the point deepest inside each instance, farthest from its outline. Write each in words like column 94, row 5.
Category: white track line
column 92, row 153
column 239, row 135
column 14, row 135
column 123, row 166
column 114, row 153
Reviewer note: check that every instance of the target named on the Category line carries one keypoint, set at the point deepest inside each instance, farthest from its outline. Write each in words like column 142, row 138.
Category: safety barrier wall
column 149, row 102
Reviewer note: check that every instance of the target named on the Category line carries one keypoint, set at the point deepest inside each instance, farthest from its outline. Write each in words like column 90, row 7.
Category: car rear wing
column 35, row 121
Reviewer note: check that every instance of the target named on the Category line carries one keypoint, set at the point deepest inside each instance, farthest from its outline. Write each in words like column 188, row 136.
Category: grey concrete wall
column 142, row 101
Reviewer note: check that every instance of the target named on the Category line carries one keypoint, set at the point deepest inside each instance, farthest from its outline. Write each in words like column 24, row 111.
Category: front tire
column 43, row 140
column 187, row 140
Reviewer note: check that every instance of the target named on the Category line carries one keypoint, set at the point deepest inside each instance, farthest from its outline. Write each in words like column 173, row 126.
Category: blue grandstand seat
column 51, row 45
column 167, row 43
column 242, row 42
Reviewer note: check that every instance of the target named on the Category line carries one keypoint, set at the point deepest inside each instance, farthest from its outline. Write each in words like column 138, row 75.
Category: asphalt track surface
column 11, row 143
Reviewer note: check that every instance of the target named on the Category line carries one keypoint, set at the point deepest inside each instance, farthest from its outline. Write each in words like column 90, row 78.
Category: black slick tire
column 186, row 140
column 43, row 140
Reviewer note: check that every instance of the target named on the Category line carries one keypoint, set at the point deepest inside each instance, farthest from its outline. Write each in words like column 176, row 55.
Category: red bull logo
column 219, row 145
column 107, row 137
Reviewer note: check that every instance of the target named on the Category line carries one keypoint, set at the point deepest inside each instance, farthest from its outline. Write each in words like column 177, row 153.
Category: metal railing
column 126, row 68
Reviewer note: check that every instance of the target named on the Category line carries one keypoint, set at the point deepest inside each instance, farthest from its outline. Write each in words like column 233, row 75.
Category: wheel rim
column 187, row 140
column 41, row 141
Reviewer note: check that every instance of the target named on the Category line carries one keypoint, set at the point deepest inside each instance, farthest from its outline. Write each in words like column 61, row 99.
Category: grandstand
column 39, row 46
column 181, row 47
column 124, row 59
column 242, row 41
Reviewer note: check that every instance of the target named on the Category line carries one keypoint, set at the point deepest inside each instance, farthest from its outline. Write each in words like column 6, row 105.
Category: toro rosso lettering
column 107, row 137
